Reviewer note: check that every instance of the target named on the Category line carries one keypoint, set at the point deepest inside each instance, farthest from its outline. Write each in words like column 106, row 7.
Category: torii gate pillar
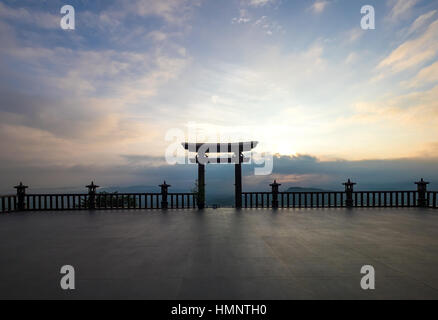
column 238, row 183
column 201, row 186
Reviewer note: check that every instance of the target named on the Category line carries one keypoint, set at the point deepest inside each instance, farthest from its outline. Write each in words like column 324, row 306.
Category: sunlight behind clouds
column 301, row 77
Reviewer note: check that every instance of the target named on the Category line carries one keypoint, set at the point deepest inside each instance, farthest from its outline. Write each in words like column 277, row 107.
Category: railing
column 385, row 198
column 46, row 202
column 165, row 200
column 8, row 203
column 102, row 201
column 182, row 200
column 337, row 199
column 294, row 199
column 431, row 199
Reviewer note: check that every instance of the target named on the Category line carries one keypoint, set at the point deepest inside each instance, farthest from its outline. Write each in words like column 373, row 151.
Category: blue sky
column 301, row 77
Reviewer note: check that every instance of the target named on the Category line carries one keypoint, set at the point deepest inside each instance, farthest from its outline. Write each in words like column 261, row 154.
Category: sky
column 328, row 99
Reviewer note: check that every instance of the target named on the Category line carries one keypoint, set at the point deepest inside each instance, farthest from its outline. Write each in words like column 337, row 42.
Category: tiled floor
column 223, row 254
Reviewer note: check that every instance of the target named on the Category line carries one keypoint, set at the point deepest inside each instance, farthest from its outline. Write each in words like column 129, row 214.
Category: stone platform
column 221, row 254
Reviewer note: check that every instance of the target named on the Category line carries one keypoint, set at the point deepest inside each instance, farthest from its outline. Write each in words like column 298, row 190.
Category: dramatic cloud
column 301, row 170
column 97, row 102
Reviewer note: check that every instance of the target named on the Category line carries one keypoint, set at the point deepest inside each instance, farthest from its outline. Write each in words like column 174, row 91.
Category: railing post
column 274, row 187
column 21, row 195
column 91, row 195
column 422, row 189
column 349, row 193
column 164, row 187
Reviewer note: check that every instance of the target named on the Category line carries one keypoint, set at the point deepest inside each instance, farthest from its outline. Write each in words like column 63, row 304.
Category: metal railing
column 385, row 198
column 8, row 203
column 294, row 199
column 165, row 200
column 432, row 201
column 59, row 202
column 336, row 199
column 348, row 198
column 182, row 200
column 96, row 201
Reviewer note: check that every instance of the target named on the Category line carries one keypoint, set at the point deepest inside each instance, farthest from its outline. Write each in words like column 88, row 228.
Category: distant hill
column 301, row 189
column 130, row 189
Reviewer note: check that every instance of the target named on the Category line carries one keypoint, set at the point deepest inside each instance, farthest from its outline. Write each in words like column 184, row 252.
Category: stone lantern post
column 422, row 189
column 274, row 187
column 21, row 195
column 349, row 193
column 92, row 195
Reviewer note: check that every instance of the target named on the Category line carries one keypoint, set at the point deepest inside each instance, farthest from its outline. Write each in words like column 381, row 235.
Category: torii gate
column 202, row 149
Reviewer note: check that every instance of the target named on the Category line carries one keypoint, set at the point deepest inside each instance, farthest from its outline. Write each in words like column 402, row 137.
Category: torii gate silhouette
column 202, row 149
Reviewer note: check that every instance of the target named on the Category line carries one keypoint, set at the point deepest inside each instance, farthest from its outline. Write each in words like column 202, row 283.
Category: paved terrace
column 223, row 254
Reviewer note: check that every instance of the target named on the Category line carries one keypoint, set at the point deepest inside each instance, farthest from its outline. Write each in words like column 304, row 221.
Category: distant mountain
column 301, row 189
column 130, row 189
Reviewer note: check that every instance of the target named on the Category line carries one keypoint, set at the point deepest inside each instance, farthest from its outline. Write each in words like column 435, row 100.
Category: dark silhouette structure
column 236, row 149
column 92, row 195
column 336, row 199
column 349, row 193
column 21, row 193
column 92, row 200
column 274, row 187
column 422, row 189
column 164, row 187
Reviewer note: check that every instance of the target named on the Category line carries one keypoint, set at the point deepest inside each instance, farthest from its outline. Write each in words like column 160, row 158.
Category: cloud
column 33, row 18
column 400, row 9
column 94, row 139
column 133, row 75
column 299, row 170
column 172, row 11
column 424, row 77
column 75, row 106
column 421, row 21
column 142, row 159
column 268, row 26
column 260, row 3
column 354, row 35
column 319, row 6
column 243, row 17
column 351, row 58
column 408, row 122
column 412, row 53
column 79, row 106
